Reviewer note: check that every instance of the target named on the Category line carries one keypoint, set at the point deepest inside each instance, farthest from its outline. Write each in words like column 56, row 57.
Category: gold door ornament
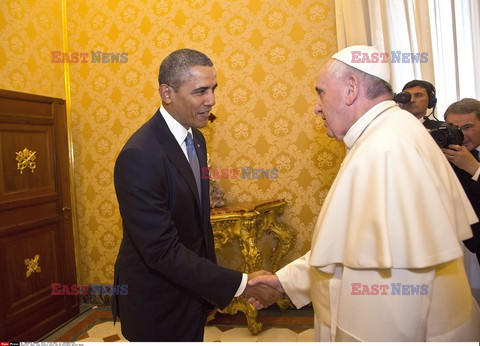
column 32, row 265
column 26, row 159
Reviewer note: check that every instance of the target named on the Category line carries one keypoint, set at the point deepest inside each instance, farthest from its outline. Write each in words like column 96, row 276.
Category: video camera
column 402, row 97
column 447, row 134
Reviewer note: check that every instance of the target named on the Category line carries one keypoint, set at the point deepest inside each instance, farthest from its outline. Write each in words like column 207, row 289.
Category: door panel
column 36, row 231
column 40, row 247
column 20, row 174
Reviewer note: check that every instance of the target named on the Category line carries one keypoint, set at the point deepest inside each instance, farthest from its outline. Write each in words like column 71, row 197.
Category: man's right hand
column 261, row 295
column 462, row 158
column 269, row 281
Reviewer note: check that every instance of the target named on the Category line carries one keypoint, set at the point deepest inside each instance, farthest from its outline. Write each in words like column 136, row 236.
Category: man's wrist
column 242, row 286
column 477, row 174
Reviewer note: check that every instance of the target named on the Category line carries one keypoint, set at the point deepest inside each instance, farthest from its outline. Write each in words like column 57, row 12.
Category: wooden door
column 36, row 232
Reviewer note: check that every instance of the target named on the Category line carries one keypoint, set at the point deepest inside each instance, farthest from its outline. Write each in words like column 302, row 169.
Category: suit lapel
column 176, row 155
column 200, row 147
column 178, row 159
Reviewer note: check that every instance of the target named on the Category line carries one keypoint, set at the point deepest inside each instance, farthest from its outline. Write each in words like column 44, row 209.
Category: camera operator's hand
column 462, row 158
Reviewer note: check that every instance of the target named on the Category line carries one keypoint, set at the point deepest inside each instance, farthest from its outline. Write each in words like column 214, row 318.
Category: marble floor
column 95, row 325
column 107, row 332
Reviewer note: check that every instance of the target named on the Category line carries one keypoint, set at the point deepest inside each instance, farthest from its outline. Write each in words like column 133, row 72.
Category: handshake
column 263, row 289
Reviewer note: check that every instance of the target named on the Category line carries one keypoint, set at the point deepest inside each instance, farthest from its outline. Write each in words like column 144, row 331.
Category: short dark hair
column 464, row 106
column 417, row 82
column 175, row 68
column 429, row 88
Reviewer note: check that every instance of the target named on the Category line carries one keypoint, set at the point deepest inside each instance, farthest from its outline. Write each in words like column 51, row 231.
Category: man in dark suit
column 465, row 114
column 167, row 256
column 422, row 98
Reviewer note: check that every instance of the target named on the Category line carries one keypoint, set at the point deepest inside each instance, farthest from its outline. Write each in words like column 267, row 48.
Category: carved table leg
column 251, row 255
column 247, row 225
column 286, row 241
column 253, row 262
column 240, row 304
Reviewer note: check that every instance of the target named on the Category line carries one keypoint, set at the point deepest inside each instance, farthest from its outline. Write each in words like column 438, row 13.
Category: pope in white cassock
column 385, row 262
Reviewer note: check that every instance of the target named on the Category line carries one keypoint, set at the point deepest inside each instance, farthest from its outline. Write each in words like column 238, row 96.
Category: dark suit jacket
column 472, row 190
column 167, row 255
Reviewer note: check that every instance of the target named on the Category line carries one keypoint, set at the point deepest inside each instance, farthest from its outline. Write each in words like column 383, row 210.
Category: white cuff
column 476, row 175
column 242, row 286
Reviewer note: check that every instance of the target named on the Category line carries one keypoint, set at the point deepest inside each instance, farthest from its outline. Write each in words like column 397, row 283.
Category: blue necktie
column 193, row 160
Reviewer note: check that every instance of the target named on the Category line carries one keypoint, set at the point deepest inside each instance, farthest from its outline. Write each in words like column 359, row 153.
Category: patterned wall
column 266, row 53
column 28, row 32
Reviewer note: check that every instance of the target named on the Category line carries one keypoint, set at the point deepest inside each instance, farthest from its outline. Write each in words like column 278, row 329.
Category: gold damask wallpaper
column 29, row 31
column 266, row 53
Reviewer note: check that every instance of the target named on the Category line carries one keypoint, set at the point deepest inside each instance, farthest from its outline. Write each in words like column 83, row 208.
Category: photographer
column 465, row 114
column 422, row 97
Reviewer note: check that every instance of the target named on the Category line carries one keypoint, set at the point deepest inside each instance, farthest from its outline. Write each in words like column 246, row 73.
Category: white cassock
column 385, row 262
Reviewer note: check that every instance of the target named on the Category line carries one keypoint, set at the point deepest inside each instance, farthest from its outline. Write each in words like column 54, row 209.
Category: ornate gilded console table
column 248, row 222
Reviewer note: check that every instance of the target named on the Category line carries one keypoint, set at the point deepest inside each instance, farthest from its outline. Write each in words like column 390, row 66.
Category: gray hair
column 464, row 106
column 175, row 68
column 374, row 85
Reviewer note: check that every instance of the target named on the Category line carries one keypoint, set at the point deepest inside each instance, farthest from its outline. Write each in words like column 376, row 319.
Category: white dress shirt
column 180, row 134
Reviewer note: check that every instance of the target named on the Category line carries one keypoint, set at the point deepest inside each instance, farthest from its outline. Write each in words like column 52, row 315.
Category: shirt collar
column 177, row 129
column 357, row 129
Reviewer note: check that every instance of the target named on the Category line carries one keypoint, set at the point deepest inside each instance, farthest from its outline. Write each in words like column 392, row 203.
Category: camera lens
column 440, row 137
column 446, row 134
column 402, row 97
